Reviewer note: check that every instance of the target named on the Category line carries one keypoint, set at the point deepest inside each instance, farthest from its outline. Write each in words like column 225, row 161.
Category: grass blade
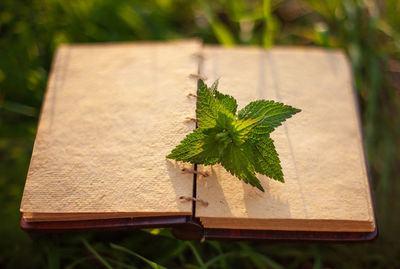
column 96, row 254
column 175, row 253
column 217, row 245
column 269, row 25
column 196, row 253
column 79, row 261
column 221, row 32
column 151, row 263
column 243, row 254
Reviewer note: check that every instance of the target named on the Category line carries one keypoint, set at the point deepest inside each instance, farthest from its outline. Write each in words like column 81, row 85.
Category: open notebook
column 112, row 112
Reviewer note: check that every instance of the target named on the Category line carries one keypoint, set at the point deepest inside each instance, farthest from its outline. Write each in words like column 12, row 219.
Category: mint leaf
column 270, row 114
column 209, row 107
column 214, row 86
column 266, row 160
column 240, row 142
column 189, row 147
column 244, row 127
column 237, row 161
column 196, row 147
column 226, row 100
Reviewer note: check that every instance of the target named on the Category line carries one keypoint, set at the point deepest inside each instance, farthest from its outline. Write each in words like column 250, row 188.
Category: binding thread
column 192, row 95
column 203, row 239
column 190, row 199
column 192, row 171
column 198, row 76
column 199, row 56
column 191, row 119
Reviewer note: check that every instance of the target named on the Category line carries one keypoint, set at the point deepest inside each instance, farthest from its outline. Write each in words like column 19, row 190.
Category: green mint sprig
column 241, row 141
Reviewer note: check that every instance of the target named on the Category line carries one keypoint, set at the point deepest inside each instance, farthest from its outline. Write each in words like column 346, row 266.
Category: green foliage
column 226, row 100
column 209, row 109
column 270, row 114
column 266, row 158
column 240, row 143
column 150, row 263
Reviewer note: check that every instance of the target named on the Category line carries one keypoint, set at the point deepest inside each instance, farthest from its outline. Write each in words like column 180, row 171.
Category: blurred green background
column 30, row 31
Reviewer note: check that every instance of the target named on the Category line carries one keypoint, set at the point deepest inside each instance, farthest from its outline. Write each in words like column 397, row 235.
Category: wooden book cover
column 113, row 112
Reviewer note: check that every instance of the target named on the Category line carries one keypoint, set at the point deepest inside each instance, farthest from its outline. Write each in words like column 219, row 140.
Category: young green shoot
column 239, row 141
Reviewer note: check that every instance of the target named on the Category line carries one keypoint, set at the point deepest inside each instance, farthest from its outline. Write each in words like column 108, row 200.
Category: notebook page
column 110, row 116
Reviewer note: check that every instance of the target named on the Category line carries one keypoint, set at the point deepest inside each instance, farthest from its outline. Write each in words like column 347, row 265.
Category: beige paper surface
column 111, row 115
column 113, row 112
column 320, row 148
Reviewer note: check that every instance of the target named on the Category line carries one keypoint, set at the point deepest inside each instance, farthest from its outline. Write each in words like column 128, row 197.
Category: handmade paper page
column 110, row 116
column 326, row 185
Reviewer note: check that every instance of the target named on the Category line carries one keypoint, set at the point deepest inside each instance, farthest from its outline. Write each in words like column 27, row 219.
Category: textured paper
column 320, row 148
column 113, row 112
column 110, row 116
